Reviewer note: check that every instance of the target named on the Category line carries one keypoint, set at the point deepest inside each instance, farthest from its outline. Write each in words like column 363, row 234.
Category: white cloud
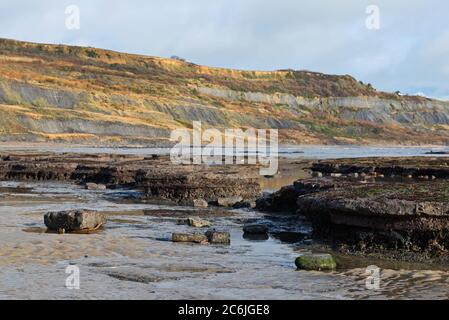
column 409, row 52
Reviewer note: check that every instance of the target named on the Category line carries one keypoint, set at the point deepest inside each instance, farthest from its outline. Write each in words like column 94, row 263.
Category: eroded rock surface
column 76, row 220
column 383, row 213
column 156, row 175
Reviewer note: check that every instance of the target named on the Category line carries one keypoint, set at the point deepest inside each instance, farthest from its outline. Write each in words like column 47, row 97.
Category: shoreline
column 28, row 145
column 360, row 205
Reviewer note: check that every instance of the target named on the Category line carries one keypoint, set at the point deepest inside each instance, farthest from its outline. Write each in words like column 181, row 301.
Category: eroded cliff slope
column 75, row 94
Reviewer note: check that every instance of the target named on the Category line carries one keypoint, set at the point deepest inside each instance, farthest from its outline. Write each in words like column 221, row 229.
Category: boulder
column 197, row 222
column 229, row 201
column 253, row 228
column 218, row 237
column 184, row 237
column 75, row 220
column 319, row 262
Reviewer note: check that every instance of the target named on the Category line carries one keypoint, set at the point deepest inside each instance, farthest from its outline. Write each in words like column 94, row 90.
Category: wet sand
column 130, row 258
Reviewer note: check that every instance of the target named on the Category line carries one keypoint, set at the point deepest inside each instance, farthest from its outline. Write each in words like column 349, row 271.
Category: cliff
column 58, row 93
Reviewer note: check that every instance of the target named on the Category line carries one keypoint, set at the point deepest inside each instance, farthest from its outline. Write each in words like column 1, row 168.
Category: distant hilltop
column 59, row 93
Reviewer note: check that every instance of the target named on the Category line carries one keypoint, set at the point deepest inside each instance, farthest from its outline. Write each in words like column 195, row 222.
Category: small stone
column 317, row 174
column 255, row 228
column 354, row 175
column 94, row 186
column 336, row 175
column 184, row 237
column 197, row 222
column 74, row 220
column 319, row 262
column 218, row 237
column 200, row 203
column 245, row 204
column 229, row 201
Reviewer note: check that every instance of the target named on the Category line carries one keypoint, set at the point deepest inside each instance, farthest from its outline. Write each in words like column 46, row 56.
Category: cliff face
column 86, row 95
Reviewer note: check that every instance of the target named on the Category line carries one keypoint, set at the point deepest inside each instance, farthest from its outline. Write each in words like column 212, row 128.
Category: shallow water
column 294, row 152
column 131, row 258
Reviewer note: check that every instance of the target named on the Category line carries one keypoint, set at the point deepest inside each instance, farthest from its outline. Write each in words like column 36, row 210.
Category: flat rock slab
column 192, row 238
column 232, row 184
column 75, row 220
column 228, row 201
column 398, row 212
column 412, row 217
column 198, row 222
column 95, row 186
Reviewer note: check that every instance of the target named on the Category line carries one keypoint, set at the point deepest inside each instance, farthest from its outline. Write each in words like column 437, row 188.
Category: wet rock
column 399, row 166
column 264, row 203
column 197, row 222
column 285, row 200
column 193, row 238
column 319, row 262
column 437, row 152
column 289, row 236
column 254, row 228
column 336, row 175
column 245, row 204
column 217, row 237
column 282, row 200
column 95, row 186
column 200, row 203
column 76, row 220
column 255, row 237
column 158, row 177
column 381, row 216
column 228, row 201
column 317, row 174
column 185, row 183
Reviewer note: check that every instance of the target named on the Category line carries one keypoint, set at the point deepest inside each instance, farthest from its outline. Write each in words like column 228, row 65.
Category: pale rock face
column 371, row 109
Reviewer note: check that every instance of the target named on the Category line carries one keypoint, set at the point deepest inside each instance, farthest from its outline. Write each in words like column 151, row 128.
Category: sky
column 405, row 49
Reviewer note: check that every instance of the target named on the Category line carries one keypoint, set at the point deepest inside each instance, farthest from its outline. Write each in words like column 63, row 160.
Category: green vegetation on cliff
column 78, row 94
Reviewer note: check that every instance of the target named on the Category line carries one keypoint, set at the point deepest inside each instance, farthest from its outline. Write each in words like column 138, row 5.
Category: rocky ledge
column 155, row 175
column 374, row 212
column 224, row 186
column 408, row 167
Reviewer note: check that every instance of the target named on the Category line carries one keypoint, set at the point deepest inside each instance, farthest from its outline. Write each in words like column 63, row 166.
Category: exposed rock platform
column 156, row 175
column 377, row 211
